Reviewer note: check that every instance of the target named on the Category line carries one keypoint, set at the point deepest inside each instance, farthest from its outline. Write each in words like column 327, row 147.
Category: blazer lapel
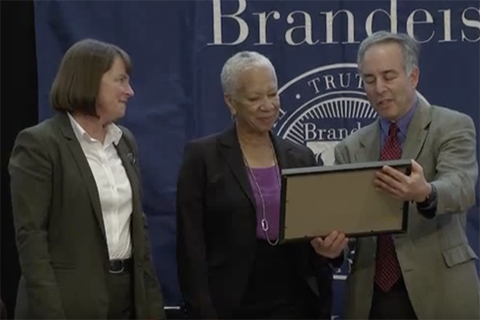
column 83, row 166
column 230, row 149
column 128, row 161
column 281, row 151
column 417, row 131
column 369, row 144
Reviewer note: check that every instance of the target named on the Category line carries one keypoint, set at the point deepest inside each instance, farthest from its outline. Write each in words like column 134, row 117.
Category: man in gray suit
column 429, row 272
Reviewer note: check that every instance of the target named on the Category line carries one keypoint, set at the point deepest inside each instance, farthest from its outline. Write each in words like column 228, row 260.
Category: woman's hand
column 331, row 246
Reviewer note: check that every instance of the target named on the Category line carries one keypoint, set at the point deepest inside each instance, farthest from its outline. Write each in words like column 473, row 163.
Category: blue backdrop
column 178, row 49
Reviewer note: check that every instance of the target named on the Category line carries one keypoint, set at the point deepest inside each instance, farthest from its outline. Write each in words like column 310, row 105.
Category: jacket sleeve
column 191, row 256
column 457, row 167
column 31, row 175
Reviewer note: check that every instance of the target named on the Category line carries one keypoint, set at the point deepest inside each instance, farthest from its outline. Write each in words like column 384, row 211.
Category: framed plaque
column 318, row 200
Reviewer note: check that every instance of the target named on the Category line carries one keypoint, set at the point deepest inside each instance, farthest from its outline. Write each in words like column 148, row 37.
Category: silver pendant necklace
column 264, row 222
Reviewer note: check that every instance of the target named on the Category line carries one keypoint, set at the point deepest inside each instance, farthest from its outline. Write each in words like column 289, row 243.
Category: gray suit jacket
column 60, row 232
column 436, row 260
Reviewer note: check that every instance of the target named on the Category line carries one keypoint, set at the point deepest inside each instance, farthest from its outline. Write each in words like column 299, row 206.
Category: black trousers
column 3, row 310
column 394, row 304
column 120, row 290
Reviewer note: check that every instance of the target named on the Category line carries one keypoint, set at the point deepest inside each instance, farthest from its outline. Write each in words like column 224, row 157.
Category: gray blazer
column 59, row 228
column 436, row 260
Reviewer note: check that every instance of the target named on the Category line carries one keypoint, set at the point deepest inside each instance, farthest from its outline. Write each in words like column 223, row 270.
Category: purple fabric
column 267, row 179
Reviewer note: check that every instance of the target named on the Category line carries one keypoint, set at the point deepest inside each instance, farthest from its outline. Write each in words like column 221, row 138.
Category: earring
column 233, row 117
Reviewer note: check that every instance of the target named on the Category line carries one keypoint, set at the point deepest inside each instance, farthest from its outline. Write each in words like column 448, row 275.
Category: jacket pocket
column 458, row 255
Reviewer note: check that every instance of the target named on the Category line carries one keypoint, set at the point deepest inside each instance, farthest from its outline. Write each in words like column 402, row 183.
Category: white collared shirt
column 113, row 186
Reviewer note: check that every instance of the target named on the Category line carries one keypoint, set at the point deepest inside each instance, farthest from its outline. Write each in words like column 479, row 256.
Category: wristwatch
column 431, row 198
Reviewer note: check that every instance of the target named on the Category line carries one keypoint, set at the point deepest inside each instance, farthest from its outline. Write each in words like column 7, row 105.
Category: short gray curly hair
column 238, row 63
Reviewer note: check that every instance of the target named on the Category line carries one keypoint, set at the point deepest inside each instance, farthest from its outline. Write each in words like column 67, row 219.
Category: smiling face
column 114, row 92
column 256, row 103
column 390, row 90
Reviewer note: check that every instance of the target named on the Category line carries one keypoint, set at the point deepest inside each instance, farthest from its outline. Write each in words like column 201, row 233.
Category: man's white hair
column 410, row 48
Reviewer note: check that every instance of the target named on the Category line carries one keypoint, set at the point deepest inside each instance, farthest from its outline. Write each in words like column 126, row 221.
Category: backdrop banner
column 179, row 47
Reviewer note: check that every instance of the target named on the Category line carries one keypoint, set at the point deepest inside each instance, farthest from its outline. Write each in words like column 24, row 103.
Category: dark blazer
column 60, row 232
column 3, row 310
column 216, row 227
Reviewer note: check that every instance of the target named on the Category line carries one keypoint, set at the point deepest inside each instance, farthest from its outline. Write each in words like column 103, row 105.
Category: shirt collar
column 114, row 133
column 402, row 123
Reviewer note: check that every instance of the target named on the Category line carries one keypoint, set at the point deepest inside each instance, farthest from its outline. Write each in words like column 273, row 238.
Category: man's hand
column 331, row 246
column 407, row 188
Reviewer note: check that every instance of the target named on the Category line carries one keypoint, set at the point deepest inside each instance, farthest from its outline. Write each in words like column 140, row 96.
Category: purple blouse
column 267, row 179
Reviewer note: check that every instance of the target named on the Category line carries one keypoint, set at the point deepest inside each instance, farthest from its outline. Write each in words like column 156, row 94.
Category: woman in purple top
column 230, row 264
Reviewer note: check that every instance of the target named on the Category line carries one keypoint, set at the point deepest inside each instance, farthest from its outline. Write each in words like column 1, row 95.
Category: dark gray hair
column 238, row 63
column 410, row 47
